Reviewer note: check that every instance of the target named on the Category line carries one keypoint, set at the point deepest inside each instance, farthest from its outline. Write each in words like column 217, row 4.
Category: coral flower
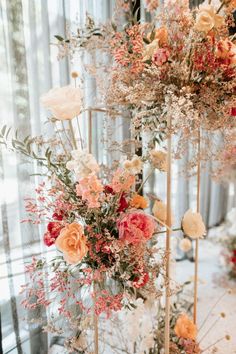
column 135, row 228
column 185, row 328
column 161, row 34
column 72, row 243
column 226, row 50
column 139, row 202
column 122, row 181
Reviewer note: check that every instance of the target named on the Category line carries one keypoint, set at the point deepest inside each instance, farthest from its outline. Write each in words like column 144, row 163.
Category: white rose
column 159, row 159
column 185, row 244
column 207, row 19
column 159, row 210
column 63, row 102
column 193, row 225
column 150, row 50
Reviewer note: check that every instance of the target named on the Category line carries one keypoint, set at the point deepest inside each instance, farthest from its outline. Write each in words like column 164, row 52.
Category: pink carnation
column 135, row 228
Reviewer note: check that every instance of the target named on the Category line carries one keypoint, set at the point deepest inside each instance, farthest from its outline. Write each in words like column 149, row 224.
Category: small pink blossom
column 90, row 189
column 161, row 56
column 135, row 228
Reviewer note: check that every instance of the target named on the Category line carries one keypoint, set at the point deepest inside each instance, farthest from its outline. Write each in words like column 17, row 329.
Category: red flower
column 57, row 216
column 108, row 190
column 233, row 112
column 48, row 239
column 233, row 259
column 140, row 281
column 123, row 204
column 234, row 252
column 53, row 231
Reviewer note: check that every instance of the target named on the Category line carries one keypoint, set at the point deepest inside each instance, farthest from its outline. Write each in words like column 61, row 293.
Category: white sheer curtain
column 29, row 67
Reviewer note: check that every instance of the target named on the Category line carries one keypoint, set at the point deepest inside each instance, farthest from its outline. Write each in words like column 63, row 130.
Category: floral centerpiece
column 104, row 250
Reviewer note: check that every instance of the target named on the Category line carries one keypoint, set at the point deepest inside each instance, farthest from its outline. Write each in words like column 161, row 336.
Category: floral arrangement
column 184, row 67
column 105, row 251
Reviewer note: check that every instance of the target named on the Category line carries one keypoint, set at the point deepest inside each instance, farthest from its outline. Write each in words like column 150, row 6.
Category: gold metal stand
column 168, row 245
column 197, row 240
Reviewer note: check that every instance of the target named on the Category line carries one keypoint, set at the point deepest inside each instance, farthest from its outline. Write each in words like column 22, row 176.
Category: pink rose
column 135, row 228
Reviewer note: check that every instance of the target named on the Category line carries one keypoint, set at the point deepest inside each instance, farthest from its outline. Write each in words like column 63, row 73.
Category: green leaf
column 3, row 130
column 146, row 40
column 152, row 37
column 59, row 38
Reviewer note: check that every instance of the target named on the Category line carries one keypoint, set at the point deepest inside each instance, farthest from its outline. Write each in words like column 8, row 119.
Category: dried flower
column 207, row 19
column 150, row 50
column 159, row 159
column 64, row 102
column 185, row 244
column 133, row 166
column 74, row 74
column 193, row 225
column 159, row 210
column 72, row 242
column 185, row 328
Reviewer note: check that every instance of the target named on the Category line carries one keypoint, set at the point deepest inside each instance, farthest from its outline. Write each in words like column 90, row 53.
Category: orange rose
column 139, row 202
column 72, row 243
column 226, row 50
column 161, row 34
column 185, row 328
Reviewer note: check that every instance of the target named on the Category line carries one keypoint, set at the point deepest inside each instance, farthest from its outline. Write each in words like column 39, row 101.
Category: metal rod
column 168, row 245
column 95, row 321
column 197, row 240
column 90, row 133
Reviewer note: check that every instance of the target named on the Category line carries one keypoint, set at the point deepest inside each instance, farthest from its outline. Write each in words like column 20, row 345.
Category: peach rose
column 63, row 102
column 72, row 243
column 185, row 328
column 226, row 50
column 207, row 19
column 139, row 202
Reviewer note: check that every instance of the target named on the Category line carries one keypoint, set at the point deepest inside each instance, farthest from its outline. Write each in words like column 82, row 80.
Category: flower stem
column 211, row 309
column 72, row 134
column 140, row 188
column 218, row 340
